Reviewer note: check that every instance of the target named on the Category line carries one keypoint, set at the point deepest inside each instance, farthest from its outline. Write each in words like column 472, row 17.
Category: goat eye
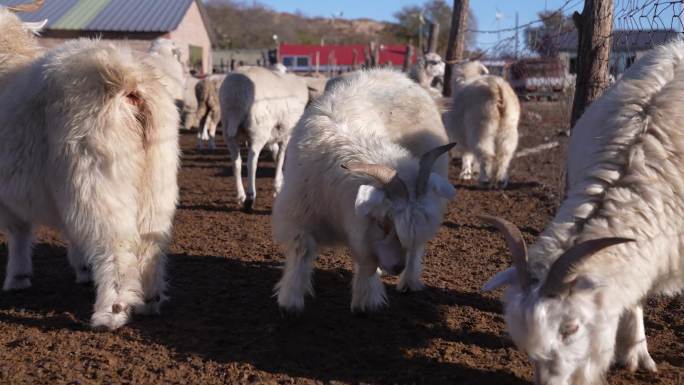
column 569, row 329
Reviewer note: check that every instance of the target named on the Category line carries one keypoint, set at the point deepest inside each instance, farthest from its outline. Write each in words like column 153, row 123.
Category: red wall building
column 324, row 58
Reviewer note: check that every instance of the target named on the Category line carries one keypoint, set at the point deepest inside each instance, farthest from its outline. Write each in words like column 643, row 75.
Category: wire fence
column 638, row 25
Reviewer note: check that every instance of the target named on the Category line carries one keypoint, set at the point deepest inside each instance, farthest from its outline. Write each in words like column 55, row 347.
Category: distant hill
column 240, row 25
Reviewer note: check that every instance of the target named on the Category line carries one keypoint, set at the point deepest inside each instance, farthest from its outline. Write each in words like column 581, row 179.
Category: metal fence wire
column 639, row 25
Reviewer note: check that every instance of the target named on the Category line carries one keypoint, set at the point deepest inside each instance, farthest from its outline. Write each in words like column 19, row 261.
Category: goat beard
column 389, row 253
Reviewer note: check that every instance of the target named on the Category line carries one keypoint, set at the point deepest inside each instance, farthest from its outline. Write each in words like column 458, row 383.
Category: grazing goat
column 88, row 145
column 574, row 304
column 484, row 122
column 428, row 71
column 355, row 175
column 261, row 107
column 208, row 109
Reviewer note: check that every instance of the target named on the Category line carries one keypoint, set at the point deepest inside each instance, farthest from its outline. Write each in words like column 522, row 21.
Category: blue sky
column 485, row 11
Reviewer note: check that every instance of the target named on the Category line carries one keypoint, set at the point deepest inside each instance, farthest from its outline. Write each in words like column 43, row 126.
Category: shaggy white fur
column 373, row 117
column 88, row 145
column 261, row 107
column 625, row 179
column 484, row 122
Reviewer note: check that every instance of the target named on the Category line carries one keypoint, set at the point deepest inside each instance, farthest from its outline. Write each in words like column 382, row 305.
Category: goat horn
column 516, row 244
column 387, row 176
column 426, row 162
column 32, row 7
column 555, row 280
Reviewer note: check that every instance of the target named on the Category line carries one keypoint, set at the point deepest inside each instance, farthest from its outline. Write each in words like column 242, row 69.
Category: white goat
column 427, row 71
column 166, row 57
column 208, row 109
column 484, row 122
column 88, row 145
column 261, row 107
column 574, row 305
column 354, row 175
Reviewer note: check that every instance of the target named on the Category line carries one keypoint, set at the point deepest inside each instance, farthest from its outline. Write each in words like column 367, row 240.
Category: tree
column 408, row 26
column 545, row 39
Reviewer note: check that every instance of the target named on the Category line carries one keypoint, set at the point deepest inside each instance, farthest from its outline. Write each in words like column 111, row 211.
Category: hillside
column 252, row 26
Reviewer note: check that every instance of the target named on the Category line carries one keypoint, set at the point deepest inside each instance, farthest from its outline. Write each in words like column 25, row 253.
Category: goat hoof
column 248, row 205
column 110, row 320
column 406, row 287
column 19, row 282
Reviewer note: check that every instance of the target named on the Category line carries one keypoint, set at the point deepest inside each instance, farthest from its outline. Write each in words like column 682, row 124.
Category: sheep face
column 434, row 65
column 569, row 339
column 399, row 227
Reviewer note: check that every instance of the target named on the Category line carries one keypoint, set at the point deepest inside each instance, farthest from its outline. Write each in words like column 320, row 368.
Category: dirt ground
column 222, row 324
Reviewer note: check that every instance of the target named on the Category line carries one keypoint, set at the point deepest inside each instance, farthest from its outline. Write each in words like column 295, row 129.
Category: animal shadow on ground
column 223, row 309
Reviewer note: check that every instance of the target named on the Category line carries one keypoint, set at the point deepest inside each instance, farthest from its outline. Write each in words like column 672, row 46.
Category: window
column 195, row 60
column 296, row 62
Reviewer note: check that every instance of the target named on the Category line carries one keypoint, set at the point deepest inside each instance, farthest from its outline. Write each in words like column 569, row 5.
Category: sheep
column 89, row 146
column 261, row 107
column 484, row 122
column 355, row 176
column 428, row 71
column 574, row 302
column 208, row 109
column 166, row 56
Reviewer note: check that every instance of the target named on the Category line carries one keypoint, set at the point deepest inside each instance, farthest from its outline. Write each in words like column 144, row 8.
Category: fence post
column 459, row 23
column 594, row 29
column 408, row 56
column 433, row 37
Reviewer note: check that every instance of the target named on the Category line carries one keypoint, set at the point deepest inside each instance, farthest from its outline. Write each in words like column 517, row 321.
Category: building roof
column 344, row 54
column 110, row 15
column 623, row 40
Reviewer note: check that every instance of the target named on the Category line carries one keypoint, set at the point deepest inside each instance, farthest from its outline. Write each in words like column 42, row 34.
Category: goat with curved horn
column 555, row 282
column 516, row 244
column 387, row 176
column 354, row 179
column 588, row 311
column 427, row 160
column 29, row 7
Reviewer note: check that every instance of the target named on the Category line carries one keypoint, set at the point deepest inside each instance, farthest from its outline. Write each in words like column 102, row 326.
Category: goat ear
column 35, row 27
column 441, row 186
column 503, row 278
column 368, row 198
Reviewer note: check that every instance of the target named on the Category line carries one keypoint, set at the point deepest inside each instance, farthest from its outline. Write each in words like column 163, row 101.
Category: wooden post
column 433, row 38
column 459, row 23
column 373, row 54
column 376, row 54
column 330, row 64
column 355, row 60
column 408, row 57
column 594, row 28
column 318, row 61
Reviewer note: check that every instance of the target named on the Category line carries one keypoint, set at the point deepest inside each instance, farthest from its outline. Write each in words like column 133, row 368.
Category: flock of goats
column 89, row 145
